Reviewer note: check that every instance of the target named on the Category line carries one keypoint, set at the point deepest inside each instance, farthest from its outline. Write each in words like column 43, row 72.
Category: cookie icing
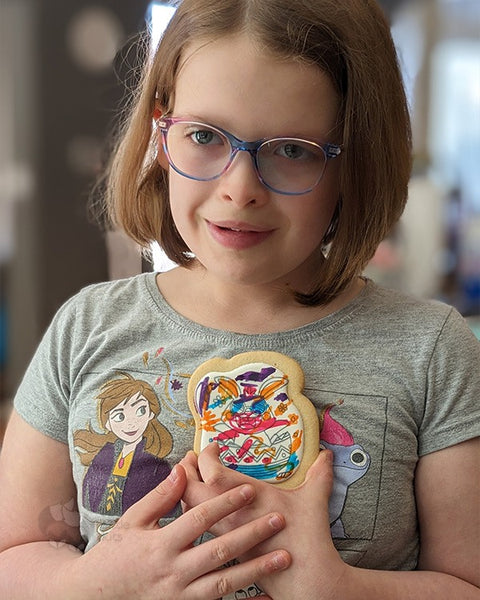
column 251, row 412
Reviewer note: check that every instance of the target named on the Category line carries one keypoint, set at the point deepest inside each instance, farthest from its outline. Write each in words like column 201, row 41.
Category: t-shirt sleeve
column 452, row 413
column 42, row 398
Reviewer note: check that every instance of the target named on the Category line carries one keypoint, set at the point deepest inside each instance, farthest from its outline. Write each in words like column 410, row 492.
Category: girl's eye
column 293, row 151
column 141, row 411
column 118, row 417
column 204, row 137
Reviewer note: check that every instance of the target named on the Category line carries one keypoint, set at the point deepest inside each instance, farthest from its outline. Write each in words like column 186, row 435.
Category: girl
column 271, row 235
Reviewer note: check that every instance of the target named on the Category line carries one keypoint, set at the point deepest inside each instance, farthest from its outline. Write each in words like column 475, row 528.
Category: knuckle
column 123, row 523
column 161, row 490
column 177, row 577
column 220, row 552
column 174, row 581
column 201, row 515
column 216, row 479
column 224, row 585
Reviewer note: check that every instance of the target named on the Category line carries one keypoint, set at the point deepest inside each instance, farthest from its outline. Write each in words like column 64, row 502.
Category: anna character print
column 126, row 460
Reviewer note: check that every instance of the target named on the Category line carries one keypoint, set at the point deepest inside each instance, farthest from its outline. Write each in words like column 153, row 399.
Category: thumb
column 159, row 502
column 316, row 491
column 319, row 477
column 190, row 463
column 214, row 473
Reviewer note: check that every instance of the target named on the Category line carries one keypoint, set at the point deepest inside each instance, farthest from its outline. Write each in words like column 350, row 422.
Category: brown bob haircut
column 348, row 39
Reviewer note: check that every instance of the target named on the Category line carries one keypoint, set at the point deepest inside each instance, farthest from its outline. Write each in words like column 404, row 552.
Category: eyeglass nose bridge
column 243, row 146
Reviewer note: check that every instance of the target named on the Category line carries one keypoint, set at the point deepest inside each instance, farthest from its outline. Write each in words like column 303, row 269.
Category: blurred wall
column 58, row 96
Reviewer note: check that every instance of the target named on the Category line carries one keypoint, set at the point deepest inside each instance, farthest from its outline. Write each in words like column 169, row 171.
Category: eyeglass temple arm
column 332, row 150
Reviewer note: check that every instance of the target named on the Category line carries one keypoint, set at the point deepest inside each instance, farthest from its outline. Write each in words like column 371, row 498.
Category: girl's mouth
column 237, row 236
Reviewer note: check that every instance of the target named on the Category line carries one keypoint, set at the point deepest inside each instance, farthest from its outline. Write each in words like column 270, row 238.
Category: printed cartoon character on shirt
column 125, row 460
column 350, row 463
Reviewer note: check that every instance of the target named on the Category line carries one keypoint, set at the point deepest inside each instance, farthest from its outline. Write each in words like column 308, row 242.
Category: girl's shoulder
column 102, row 297
column 104, row 306
column 397, row 302
column 130, row 288
column 403, row 314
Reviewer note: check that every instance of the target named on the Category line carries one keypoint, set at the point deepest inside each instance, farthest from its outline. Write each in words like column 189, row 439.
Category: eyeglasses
column 285, row 165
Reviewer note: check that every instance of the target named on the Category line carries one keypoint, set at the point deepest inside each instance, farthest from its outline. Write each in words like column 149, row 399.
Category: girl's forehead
column 232, row 79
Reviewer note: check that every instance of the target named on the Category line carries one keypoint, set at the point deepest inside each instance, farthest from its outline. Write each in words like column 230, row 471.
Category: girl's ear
column 157, row 111
column 161, row 157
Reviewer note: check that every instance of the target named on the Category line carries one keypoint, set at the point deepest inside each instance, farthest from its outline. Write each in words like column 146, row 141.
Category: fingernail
column 247, row 492
column 173, row 474
column 215, row 447
column 276, row 522
column 280, row 561
column 328, row 454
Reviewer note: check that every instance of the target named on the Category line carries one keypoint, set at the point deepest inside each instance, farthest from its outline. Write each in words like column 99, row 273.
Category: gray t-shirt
column 392, row 378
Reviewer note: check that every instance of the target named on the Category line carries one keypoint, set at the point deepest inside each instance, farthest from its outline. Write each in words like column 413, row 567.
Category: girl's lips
column 237, row 235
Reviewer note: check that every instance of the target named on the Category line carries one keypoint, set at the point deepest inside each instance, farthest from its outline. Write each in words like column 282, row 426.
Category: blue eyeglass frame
column 237, row 145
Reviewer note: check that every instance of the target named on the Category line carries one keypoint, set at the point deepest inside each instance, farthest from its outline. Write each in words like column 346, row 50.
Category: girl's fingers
column 207, row 477
column 221, row 550
column 226, row 581
column 159, row 502
column 191, row 525
column 196, row 493
column 190, row 463
column 214, row 473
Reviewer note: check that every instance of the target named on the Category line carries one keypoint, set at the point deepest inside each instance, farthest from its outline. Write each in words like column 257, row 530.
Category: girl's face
column 129, row 419
column 239, row 230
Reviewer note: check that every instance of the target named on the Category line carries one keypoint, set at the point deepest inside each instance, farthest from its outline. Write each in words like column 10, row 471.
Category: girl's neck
column 242, row 308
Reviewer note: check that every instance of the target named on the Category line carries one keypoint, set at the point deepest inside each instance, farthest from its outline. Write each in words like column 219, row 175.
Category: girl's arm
column 39, row 533
column 447, row 490
column 447, row 486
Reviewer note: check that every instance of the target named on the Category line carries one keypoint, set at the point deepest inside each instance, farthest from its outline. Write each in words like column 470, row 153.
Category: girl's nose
column 240, row 183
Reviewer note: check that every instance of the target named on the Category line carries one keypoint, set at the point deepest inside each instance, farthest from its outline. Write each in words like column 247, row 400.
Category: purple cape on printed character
column 107, row 493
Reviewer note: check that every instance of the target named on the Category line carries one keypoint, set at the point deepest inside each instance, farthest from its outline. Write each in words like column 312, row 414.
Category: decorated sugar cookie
column 252, row 405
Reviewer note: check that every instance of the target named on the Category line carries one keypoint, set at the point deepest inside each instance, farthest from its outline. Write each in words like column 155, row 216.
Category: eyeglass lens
column 203, row 152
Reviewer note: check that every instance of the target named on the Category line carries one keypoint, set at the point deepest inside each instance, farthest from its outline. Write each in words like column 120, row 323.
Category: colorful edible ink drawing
column 252, row 406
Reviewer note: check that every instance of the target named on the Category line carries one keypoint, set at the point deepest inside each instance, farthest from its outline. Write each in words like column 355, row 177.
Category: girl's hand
column 317, row 570
column 138, row 559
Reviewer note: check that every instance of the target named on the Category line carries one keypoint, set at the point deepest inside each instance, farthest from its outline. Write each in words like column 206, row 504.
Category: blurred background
column 65, row 69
